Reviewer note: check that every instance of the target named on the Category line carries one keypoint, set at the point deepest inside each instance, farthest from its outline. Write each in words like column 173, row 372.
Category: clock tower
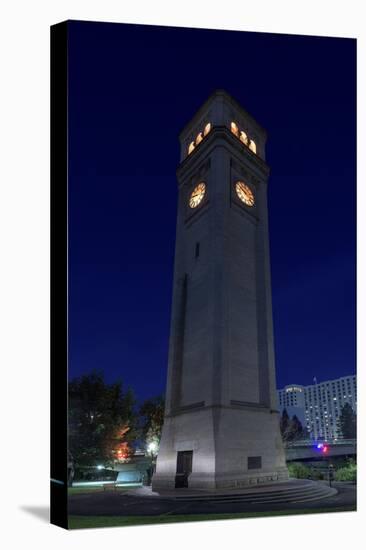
column 221, row 426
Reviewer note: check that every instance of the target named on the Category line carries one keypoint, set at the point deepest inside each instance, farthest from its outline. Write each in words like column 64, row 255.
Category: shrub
column 348, row 473
column 300, row 471
column 317, row 474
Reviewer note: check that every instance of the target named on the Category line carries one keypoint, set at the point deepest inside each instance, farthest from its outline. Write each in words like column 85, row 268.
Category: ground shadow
column 40, row 512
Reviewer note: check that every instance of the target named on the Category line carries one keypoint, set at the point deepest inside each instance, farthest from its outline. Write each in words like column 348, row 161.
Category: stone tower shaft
column 221, row 372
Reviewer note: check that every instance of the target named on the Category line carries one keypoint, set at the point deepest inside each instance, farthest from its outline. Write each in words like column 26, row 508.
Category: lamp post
column 152, row 450
column 330, row 473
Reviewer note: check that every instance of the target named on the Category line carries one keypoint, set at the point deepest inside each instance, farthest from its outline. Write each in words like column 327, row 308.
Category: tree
column 291, row 430
column 152, row 416
column 297, row 428
column 284, row 424
column 102, row 422
column 347, row 422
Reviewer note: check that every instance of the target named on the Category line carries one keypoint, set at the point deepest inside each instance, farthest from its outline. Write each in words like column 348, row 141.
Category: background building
column 319, row 406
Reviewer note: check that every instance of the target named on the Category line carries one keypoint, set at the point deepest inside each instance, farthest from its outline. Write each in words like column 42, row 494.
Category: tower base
column 220, row 448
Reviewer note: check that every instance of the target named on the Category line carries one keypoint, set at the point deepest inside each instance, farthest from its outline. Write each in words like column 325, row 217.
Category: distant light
column 319, row 446
column 100, row 467
column 152, row 447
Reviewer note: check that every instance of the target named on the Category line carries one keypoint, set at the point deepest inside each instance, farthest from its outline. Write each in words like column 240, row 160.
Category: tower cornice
column 192, row 161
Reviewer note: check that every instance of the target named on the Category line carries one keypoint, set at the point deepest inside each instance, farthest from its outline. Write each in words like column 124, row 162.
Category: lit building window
column 244, row 138
column 207, row 129
column 252, row 146
column 199, row 138
column 235, row 129
column 190, row 147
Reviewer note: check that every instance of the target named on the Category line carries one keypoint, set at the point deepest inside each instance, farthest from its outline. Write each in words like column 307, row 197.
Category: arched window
column 207, row 129
column 252, row 146
column 244, row 138
column 235, row 129
column 199, row 138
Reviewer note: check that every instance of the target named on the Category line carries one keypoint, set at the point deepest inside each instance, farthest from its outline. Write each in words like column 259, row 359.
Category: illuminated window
column 207, row 129
column 199, row 138
column 252, row 146
column 244, row 138
column 235, row 129
column 190, row 147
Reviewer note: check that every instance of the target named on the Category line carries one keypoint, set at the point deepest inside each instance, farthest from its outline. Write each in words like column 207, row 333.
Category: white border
column 24, row 272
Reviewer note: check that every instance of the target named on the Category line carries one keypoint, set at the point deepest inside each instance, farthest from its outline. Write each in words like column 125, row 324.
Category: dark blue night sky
column 131, row 90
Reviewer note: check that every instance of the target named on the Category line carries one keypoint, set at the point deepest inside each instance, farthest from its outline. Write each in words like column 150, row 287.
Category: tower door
column 184, row 468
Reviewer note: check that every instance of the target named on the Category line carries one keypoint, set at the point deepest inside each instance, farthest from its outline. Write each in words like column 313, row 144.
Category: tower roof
column 222, row 96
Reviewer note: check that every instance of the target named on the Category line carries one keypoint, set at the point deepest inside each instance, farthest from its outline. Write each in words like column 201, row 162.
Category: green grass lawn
column 89, row 522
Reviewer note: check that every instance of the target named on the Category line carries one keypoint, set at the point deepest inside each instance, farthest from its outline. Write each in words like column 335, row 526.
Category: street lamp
column 152, row 448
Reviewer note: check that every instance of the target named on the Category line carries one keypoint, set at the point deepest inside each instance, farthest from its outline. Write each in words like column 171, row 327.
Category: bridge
column 307, row 450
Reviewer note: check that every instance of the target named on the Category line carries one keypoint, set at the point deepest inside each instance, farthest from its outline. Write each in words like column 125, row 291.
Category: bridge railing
column 311, row 443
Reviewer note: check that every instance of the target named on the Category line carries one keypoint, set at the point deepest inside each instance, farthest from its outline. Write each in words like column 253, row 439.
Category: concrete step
column 294, row 490
column 311, row 492
column 305, row 497
column 303, row 485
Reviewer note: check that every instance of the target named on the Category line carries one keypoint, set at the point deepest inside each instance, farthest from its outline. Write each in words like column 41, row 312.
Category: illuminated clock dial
column 244, row 193
column 197, row 195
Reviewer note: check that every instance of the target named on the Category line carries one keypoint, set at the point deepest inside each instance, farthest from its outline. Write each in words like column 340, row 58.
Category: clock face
column 197, row 195
column 244, row 193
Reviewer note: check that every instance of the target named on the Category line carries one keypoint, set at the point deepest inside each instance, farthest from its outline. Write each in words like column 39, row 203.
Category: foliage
column 152, row 417
column 317, row 473
column 284, row 423
column 347, row 422
column 298, row 470
column 291, row 429
column 303, row 471
column 102, row 423
column 347, row 473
